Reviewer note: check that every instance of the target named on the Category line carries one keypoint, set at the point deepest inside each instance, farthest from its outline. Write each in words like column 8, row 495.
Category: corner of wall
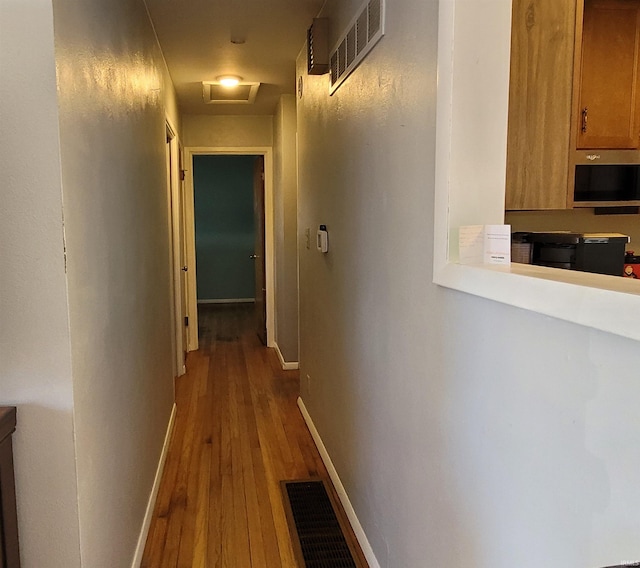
column 34, row 334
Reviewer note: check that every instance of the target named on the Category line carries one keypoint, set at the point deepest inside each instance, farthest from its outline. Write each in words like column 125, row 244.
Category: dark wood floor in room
column 238, row 433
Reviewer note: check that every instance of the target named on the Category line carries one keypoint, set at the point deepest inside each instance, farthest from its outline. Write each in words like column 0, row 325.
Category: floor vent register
column 317, row 532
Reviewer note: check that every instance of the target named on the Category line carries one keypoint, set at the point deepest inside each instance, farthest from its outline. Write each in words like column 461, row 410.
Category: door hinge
column 182, row 174
column 186, row 321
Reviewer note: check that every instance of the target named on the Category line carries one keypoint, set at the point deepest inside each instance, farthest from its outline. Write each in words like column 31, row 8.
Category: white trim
column 190, row 235
column 286, row 365
column 176, row 361
column 444, row 118
column 175, row 207
column 298, row 245
column 597, row 301
column 269, row 245
column 342, row 493
column 144, row 532
column 229, row 301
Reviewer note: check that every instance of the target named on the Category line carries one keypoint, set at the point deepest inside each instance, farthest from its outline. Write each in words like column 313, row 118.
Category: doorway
column 177, row 252
column 225, row 228
column 244, row 258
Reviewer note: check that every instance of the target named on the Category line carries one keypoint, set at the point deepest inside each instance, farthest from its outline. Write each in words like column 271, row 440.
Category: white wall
column 285, row 198
column 466, row 432
column 227, row 131
column 112, row 87
column 35, row 358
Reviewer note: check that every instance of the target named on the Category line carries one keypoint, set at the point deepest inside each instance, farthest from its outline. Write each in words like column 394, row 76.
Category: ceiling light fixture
column 229, row 80
column 215, row 93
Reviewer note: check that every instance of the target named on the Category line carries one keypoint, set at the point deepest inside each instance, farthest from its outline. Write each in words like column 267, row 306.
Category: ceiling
column 195, row 37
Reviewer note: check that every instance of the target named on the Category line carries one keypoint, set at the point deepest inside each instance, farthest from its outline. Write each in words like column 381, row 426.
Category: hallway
column 238, row 433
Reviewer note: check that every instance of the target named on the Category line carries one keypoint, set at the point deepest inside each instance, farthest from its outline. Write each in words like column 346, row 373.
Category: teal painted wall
column 225, row 232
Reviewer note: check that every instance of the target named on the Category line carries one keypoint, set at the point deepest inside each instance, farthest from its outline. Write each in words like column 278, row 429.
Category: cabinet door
column 608, row 114
column 540, row 91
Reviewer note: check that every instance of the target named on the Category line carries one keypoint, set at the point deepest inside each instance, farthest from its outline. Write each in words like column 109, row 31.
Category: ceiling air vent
column 318, row 47
column 363, row 32
column 215, row 93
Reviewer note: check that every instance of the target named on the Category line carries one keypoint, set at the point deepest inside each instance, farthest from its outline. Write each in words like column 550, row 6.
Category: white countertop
column 606, row 303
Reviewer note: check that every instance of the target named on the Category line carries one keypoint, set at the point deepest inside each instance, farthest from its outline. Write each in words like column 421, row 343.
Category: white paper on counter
column 497, row 244
column 471, row 244
column 484, row 244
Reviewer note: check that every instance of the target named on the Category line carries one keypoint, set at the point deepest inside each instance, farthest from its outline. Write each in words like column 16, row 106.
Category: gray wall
column 208, row 131
column 285, row 198
column 225, row 228
column 35, row 358
column 86, row 351
column 112, row 87
column 466, row 432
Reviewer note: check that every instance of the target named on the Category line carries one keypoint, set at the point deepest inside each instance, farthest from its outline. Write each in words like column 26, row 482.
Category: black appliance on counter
column 602, row 253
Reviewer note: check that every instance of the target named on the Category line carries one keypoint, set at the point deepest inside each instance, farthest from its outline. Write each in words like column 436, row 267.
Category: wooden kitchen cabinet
column 608, row 113
column 574, row 98
column 540, row 104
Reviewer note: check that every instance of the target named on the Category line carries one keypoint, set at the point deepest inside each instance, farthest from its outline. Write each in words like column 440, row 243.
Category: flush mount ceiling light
column 229, row 80
column 216, row 93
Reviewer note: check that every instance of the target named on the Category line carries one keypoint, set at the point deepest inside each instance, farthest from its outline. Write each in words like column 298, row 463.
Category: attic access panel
column 214, row 93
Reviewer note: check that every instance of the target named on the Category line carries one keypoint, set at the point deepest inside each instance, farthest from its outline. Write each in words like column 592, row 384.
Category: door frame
column 176, row 236
column 269, row 237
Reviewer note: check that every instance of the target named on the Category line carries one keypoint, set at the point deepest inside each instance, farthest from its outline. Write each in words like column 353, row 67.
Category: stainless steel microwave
column 607, row 182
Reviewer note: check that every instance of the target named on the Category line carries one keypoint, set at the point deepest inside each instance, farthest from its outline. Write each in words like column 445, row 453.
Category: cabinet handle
column 585, row 112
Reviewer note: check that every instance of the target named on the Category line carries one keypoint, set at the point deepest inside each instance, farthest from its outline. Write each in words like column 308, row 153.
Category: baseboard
column 340, row 490
column 146, row 524
column 229, row 301
column 286, row 365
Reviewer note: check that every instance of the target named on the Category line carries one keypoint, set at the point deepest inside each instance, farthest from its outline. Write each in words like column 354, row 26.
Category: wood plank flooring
column 238, row 433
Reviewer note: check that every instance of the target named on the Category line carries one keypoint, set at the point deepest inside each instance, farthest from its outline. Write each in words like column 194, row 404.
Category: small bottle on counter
column 631, row 265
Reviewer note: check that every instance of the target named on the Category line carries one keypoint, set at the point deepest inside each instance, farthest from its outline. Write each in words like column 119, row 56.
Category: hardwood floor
column 238, row 433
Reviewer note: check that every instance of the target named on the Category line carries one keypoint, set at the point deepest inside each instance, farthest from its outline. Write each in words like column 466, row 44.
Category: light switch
column 323, row 239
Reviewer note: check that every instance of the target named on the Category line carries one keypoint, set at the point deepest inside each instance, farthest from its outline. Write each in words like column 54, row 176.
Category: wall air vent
column 363, row 32
column 215, row 93
column 318, row 47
